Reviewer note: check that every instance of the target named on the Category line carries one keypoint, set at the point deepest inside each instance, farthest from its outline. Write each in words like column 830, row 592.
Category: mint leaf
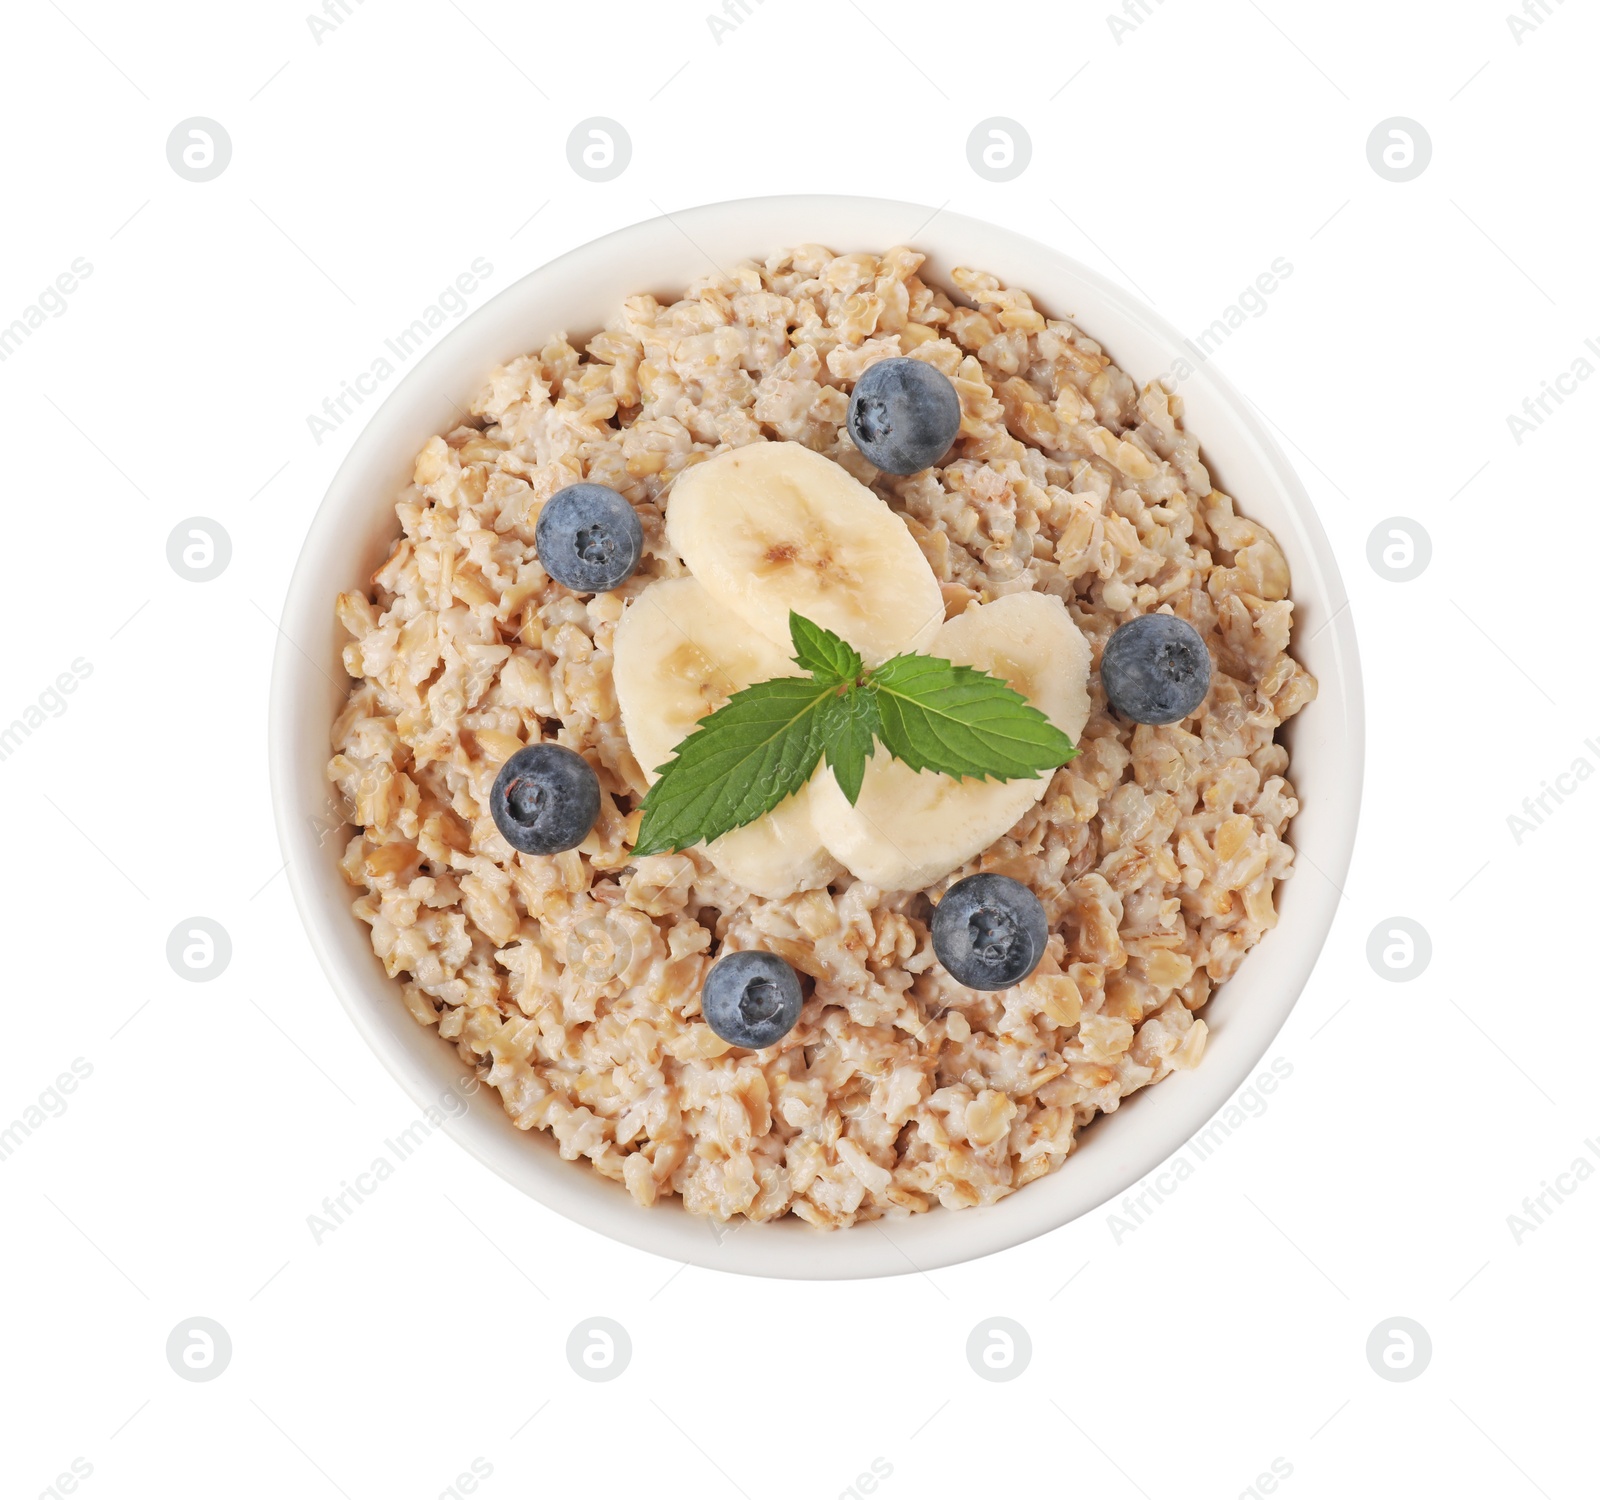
column 738, row 763
column 763, row 744
column 817, row 649
column 937, row 716
column 849, row 724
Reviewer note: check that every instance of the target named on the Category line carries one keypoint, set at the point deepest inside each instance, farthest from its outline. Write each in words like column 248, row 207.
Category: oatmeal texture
column 571, row 983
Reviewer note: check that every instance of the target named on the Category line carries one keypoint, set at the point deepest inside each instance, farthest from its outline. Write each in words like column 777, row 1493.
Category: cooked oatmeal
column 572, row 982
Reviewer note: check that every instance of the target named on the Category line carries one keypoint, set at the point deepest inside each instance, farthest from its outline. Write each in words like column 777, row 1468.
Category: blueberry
column 545, row 799
column 1155, row 669
column 589, row 538
column 989, row 932
column 751, row 999
column 903, row 415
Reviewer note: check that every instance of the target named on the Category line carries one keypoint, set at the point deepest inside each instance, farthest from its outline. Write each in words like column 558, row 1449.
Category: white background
column 368, row 170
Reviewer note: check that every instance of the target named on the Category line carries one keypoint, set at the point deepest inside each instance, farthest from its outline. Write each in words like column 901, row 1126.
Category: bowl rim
column 791, row 1249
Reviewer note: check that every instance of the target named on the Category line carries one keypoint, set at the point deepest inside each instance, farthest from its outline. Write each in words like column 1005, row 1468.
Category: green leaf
column 818, row 650
column 937, row 716
column 849, row 724
column 738, row 763
column 763, row 744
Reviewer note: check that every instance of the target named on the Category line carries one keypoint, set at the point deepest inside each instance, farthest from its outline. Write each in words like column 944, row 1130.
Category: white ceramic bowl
column 351, row 535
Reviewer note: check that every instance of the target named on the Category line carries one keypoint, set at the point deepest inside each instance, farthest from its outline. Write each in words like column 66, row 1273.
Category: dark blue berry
column 1155, row 669
column 545, row 799
column 904, row 415
column 989, row 932
column 751, row 999
column 589, row 538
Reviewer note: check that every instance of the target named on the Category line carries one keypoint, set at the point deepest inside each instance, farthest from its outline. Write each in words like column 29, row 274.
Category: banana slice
column 911, row 828
column 780, row 853
column 773, row 527
column 677, row 655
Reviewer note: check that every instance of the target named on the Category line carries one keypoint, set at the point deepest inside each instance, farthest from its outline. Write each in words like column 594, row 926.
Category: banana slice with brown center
column 774, row 527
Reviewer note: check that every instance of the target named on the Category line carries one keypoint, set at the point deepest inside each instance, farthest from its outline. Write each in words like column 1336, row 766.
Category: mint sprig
column 850, row 743
column 822, row 653
column 763, row 744
column 739, row 762
column 937, row 716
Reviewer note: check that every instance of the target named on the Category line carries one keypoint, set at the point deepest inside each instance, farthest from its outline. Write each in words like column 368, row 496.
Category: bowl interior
column 350, row 537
